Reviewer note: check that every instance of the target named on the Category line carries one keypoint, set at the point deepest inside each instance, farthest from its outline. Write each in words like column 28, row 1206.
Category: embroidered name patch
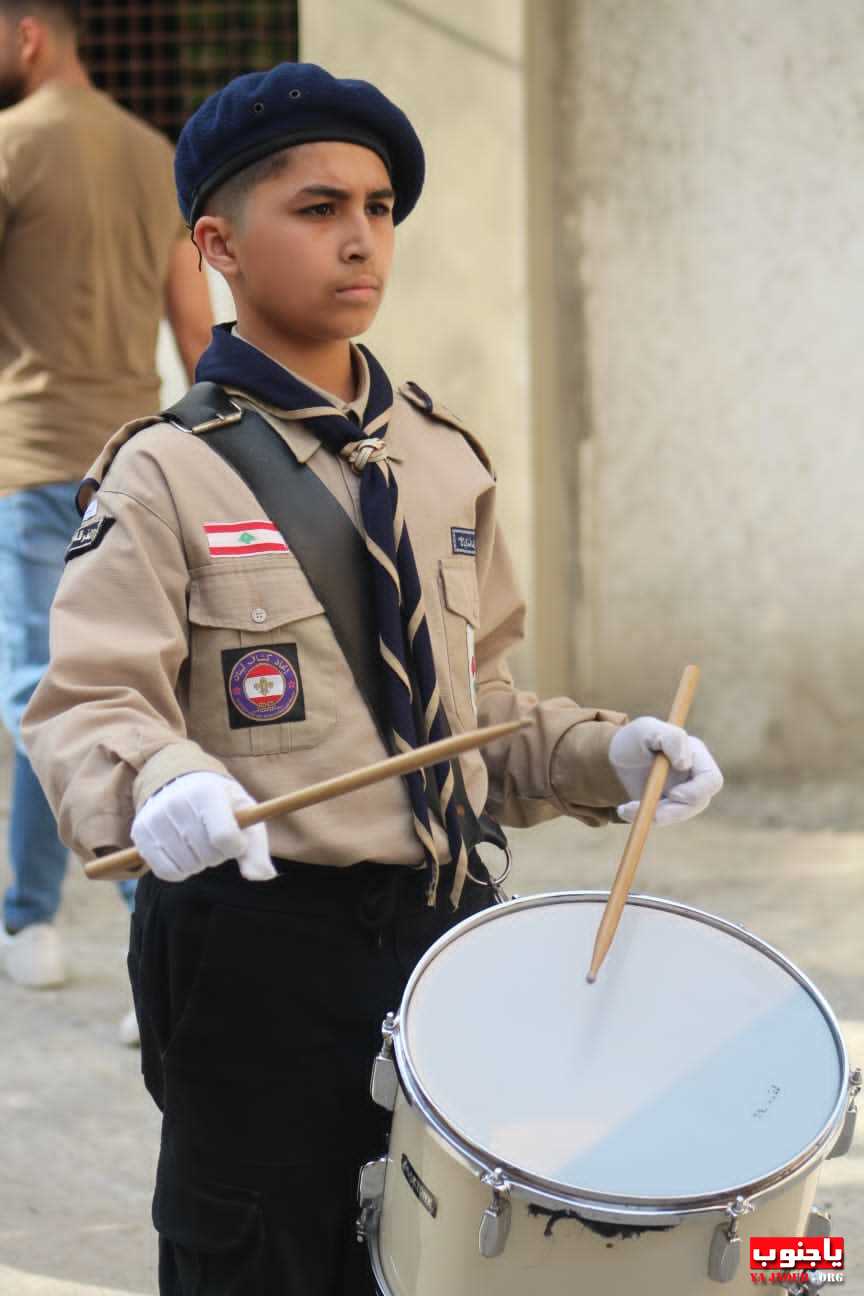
column 263, row 685
column 463, row 540
column 243, row 539
column 88, row 536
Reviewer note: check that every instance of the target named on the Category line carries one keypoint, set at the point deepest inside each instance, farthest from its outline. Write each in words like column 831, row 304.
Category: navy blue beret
column 295, row 103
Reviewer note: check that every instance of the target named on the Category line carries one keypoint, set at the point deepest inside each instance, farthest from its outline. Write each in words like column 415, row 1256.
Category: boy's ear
column 32, row 38
column 214, row 238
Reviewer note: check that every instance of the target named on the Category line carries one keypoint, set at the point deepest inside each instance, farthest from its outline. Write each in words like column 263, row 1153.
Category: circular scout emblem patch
column 263, row 685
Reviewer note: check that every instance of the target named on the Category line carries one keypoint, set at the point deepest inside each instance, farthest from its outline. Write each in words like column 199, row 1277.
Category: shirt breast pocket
column 461, row 609
column 262, row 658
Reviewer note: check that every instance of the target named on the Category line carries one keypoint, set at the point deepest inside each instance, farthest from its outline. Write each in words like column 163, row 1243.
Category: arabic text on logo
column 794, row 1259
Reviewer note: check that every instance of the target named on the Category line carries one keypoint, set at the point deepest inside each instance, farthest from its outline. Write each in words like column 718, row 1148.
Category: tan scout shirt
column 136, row 690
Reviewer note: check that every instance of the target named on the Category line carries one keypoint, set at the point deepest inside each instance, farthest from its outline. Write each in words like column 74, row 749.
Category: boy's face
column 309, row 253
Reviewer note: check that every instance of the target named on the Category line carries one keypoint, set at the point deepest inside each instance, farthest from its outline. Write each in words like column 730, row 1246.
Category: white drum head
column 699, row 1064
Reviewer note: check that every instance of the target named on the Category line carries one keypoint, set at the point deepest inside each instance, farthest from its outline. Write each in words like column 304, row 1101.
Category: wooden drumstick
column 129, row 864
column 651, row 794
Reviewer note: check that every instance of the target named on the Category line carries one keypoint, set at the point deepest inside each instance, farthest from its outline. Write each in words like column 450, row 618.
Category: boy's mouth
column 363, row 289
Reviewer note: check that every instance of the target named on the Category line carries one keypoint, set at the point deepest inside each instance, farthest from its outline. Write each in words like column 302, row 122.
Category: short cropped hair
column 230, row 198
column 63, row 13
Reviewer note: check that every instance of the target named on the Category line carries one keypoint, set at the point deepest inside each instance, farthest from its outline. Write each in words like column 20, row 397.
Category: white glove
column 692, row 781
column 189, row 825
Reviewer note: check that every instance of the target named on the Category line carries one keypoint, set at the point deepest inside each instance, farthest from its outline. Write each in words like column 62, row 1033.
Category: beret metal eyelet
column 258, row 107
column 294, row 94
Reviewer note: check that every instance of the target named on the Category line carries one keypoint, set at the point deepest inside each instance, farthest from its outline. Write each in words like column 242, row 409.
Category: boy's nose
column 359, row 242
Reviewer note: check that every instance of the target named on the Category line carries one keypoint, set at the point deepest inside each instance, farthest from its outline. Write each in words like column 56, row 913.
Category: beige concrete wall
column 557, row 358
column 456, row 318
column 712, row 244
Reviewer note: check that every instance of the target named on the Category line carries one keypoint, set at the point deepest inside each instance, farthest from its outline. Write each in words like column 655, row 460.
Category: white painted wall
column 715, row 233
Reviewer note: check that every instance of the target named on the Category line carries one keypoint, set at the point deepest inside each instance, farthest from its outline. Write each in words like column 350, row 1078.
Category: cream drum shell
column 474, row 1079
column 416, row 1255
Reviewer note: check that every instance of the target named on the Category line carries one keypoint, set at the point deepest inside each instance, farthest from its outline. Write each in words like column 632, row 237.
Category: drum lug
column 370, row 1191
column 385, row 1079
column 818, row 1224
column 847, row 1133
column 725, row 1253
column 495, row 1224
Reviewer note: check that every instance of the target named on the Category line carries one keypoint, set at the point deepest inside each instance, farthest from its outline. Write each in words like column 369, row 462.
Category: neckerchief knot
column 360, row 453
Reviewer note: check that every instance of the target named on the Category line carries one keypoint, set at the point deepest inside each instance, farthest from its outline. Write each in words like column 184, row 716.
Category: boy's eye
column 329, row 209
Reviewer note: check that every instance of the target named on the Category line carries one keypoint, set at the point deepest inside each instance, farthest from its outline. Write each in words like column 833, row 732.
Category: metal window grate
column 161, row 58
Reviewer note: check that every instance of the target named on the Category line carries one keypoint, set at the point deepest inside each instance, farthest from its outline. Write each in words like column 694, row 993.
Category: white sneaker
column 34, row 956
column 129, row 1032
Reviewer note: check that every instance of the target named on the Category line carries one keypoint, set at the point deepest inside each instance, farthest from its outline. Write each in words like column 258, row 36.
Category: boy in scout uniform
column 196, row 669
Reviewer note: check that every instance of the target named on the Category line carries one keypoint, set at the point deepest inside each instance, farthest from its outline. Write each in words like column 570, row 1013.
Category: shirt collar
column 300, row 435
column 361, row 373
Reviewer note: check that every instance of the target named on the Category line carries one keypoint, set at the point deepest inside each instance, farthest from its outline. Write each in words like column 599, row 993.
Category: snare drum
column 551, row 1137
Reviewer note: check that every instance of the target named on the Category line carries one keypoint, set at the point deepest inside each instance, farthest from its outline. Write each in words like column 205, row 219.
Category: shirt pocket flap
column 251, row 599
column 460, row 589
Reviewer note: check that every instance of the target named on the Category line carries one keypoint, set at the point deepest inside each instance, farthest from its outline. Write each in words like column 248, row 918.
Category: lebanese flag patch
column 237, row 539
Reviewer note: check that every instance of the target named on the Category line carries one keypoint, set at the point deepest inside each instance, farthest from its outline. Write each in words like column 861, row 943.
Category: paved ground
column 79, row 1133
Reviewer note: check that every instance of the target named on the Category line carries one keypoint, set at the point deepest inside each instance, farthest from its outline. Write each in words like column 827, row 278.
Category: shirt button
column 259, row 615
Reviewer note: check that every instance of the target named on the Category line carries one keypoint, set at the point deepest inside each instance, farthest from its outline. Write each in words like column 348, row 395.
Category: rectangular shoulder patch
column 88, row 536
column 463, row 540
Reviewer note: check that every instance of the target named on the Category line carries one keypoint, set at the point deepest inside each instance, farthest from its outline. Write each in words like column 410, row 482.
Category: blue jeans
column 35, row 528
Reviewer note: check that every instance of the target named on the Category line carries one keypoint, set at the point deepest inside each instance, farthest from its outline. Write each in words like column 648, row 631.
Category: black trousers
column 260, row 1007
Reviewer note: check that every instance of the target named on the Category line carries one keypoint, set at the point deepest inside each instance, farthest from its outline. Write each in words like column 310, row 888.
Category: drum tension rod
column 370, row 1193
column 495, row 1224
column 725, row 1252
column 847, row 1133
column 384, row 1085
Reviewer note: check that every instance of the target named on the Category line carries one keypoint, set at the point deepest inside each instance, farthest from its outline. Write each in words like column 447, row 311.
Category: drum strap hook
column 495, row 883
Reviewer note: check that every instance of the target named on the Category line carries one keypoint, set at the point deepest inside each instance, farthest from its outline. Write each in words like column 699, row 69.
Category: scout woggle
column 129, row 864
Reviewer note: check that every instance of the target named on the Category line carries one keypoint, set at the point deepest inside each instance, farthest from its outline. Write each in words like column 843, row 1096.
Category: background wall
column 714, row 225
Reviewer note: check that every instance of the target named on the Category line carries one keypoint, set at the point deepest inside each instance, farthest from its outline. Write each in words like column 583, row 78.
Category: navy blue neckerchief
column 408, row 665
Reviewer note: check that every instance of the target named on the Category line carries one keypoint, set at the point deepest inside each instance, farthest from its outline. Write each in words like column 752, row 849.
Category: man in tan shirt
column 92, row 253
column 196, row 669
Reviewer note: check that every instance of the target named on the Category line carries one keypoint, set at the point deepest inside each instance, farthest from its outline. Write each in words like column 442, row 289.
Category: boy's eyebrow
column 328, row 191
